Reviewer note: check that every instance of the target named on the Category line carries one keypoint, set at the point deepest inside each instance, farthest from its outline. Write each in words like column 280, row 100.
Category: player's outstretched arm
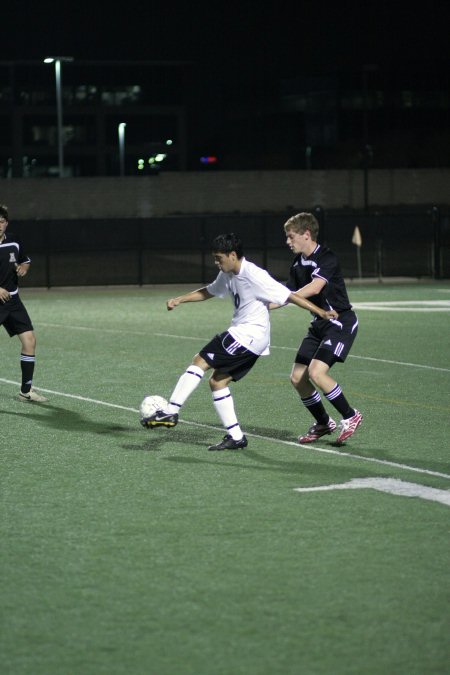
column 306, row 304
column 194, row 296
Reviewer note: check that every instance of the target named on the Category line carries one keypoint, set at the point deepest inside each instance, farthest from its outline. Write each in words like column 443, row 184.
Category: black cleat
column 160, row 419
column 228, row 443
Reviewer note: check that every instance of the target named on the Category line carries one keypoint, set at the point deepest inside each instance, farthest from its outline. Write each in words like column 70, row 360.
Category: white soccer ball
column 150, row 405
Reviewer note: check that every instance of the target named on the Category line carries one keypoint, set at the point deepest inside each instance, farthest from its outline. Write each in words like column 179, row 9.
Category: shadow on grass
column 248, row 458
column 57, row 417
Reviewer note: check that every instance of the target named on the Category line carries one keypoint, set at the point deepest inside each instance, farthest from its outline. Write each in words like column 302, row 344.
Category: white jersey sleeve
column 220, row 287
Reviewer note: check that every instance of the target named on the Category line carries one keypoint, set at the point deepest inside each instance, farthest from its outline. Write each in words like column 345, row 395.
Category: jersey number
column 237, row 300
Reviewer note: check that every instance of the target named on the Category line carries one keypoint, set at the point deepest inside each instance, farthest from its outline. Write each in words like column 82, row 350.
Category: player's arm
column 194, row 296
column 306, row 304
column 274, row 305
column 313, row 288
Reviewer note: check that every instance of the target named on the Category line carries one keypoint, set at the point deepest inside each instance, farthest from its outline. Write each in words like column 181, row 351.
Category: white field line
column 405, row 306
column 391, row 486
column 315, row 448
column 200, row 338
column 402, row 305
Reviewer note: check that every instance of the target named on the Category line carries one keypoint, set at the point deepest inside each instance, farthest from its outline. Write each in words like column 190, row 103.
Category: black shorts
column 14, row 317
column 328, row 341
column 227, row 356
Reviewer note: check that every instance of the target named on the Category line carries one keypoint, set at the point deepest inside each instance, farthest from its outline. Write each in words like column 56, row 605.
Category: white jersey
column 251, row 292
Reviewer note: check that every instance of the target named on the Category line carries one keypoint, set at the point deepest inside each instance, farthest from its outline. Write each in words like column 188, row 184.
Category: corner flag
column 356, row 238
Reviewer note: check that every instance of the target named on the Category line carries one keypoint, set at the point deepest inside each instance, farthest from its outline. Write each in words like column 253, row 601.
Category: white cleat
column 32, row 397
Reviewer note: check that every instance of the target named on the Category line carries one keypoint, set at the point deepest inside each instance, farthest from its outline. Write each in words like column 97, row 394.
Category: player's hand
column 21, row 270
column 4, row 295
column 172, row 303
column 330, row 314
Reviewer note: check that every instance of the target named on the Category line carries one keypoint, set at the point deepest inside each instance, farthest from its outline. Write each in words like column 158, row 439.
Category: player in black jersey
column 14, row 263
column 315, row 274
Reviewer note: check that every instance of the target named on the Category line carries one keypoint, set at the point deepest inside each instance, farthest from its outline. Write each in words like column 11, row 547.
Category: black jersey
column 11, row 254
column 322, row 264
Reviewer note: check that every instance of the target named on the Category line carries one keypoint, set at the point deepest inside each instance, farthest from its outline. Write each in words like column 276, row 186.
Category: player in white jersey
column 234, row 352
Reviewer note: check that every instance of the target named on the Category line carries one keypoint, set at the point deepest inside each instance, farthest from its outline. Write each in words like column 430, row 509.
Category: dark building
column 176, row 114
column 149, row 97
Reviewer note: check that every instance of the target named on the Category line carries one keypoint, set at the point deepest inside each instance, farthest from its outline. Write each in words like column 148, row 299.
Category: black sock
column 337, row 398
column 315, row 407
column 27, row 367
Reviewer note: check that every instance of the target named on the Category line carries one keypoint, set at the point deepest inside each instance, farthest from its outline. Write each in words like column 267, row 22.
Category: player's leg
column 27, row 365
column 312, row 401
column 27, row 360
column 307, row 390
column 186, row 385
column 17, row 322
column 231, row 361
column 335, row 347
column 224, row 407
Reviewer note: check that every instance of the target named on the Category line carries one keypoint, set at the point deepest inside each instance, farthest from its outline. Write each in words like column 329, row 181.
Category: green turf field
column 139, row 552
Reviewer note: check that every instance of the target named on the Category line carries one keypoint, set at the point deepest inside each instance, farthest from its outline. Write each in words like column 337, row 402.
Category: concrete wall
column 220, row 192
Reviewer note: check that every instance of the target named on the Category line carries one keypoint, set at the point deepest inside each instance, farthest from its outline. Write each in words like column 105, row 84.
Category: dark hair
column 226, row 243
column 4, row 212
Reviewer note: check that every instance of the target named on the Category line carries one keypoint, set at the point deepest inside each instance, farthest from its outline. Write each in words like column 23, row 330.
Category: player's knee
column 294, row 379
column 316, row 371
column 29, row 341
column 297, row 376
column 214, row 385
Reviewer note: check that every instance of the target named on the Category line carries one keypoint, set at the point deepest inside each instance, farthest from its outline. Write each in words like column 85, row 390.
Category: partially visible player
column 316, row 274
column 14, row 263
column 234, row 352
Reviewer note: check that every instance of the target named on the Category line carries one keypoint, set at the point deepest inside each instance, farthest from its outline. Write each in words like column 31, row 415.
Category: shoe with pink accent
column 348, row 427
column 317, row 431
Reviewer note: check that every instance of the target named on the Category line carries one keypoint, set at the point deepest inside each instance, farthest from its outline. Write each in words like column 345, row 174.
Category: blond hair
column 302, row 222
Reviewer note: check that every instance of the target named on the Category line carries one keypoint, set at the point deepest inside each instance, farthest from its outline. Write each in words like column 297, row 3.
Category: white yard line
column 315, row 448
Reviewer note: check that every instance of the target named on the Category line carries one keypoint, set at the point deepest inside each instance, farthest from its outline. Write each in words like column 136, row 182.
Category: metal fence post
column 436, row 244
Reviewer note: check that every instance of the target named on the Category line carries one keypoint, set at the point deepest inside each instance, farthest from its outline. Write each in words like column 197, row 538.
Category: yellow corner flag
column 357, row 239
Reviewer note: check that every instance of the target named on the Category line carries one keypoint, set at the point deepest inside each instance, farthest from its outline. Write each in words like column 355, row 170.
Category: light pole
column 367, row 149
column 121, row 132
column 57, row 60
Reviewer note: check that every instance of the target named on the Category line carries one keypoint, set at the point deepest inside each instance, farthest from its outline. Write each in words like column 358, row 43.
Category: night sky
column 231, row 37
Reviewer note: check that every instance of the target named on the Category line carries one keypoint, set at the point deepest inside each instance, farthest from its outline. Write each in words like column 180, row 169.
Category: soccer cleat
column 228, row 443
column 32, row 397
column 160, row 419
column 348, row 427
column 317, row 431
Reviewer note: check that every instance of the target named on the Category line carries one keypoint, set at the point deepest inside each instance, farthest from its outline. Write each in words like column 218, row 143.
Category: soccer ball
column 150, row 405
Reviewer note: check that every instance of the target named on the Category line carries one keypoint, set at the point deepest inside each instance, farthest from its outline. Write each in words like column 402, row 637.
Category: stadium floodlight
column 57, row 60
column 121, row 132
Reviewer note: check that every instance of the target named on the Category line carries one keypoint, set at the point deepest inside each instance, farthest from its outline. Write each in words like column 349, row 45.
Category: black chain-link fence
column 177, row 249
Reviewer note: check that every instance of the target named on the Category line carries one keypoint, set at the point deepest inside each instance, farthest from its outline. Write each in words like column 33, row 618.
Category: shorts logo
column 12, row 257
column 233, row 347
column 328, row 342
column 211, row 356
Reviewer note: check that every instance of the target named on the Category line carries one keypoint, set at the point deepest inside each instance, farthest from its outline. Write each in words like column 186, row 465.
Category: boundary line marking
column 328, row 451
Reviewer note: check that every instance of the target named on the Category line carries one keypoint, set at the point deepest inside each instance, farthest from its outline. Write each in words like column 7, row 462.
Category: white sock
column 224, row 405
column 184, row 388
